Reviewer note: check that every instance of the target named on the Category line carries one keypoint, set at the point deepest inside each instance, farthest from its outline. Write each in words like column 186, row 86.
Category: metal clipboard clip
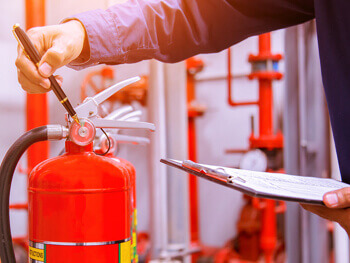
column 219, row 172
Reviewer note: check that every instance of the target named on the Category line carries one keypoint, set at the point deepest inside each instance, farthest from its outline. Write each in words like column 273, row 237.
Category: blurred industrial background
column 215, row 231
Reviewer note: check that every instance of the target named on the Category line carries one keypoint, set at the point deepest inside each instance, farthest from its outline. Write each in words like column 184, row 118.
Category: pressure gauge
column 254, row 160
column 82, row 134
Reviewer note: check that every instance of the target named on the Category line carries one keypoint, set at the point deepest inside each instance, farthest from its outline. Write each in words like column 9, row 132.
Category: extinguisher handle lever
column 116, row 124
column 125, row 116
column 90, row 105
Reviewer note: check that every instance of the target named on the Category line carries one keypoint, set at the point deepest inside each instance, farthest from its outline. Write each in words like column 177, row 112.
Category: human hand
column 58, row 45
column 337, row 207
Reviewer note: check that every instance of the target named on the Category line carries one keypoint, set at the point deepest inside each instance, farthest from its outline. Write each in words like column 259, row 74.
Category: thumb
column 338, row 198
column 53, row 59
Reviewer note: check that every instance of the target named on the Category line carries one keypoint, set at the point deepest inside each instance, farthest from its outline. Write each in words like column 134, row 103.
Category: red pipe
column 37, row 113
column 194, row 223
column 268, row 238
column 266, row 139
column 265, row 91
column 265, row 44
column 36, row 105
column 194, row 66
column 192, row 152
column 231, row 102
column 265, row 107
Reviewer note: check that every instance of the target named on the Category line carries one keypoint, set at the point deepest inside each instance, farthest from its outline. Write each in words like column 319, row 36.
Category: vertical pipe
column 318, row 148
column 305, row 227
column 229, row 77
column 177, row 148
column 37, row 113
column 268, row 231
column 158, row 173
column 265, row 91
column 269, row 224
column 265, row 107
column 192, row 154
column 193, row 185
column 291, row 142
column 265, row 44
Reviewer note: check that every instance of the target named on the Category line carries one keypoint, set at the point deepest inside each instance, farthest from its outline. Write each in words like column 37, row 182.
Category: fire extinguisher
column 79, row 204
column 109, row 145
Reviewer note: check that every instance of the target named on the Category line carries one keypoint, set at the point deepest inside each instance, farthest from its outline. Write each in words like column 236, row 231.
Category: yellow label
column 133, row 246
column 124, row 252
column 135, row 217
column 134, row 238
column 37, row 254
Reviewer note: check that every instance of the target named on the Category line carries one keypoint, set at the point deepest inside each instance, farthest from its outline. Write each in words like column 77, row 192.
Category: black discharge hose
column 7, row 170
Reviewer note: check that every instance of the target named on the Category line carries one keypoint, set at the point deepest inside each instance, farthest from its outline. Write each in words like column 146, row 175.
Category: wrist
column 79, row 34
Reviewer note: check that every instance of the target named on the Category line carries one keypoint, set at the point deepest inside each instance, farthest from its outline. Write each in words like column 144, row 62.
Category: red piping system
column 194, row 65
column 36, row 107
column 37, row 113
column 264, row 72
column 231, row 102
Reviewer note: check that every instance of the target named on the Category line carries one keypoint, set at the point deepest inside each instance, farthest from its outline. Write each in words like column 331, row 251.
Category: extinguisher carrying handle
column 7, row 169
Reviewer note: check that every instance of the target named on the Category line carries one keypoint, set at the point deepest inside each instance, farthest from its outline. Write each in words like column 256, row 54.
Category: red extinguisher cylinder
column 132, row 173
column 80, row 209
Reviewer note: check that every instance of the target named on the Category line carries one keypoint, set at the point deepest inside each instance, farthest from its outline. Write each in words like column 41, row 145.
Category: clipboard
column 238, row 180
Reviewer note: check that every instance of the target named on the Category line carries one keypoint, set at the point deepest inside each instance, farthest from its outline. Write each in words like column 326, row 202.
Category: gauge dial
column 254, row 160
column 82, row 134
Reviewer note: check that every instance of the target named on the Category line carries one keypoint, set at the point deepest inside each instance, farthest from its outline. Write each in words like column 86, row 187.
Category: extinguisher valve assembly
column 79, row 134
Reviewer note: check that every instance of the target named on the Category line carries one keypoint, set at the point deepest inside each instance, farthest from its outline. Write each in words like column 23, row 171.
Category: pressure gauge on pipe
column 254, row 160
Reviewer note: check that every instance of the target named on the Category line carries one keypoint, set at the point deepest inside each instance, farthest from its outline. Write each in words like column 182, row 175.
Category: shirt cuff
column 101, row 29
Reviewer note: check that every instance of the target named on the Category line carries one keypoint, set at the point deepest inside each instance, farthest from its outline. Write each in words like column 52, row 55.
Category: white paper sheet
column 282, row 185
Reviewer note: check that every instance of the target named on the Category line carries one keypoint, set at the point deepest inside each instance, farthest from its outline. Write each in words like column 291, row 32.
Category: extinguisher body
column 133, row 215
column 79, row 209
column 132, row 172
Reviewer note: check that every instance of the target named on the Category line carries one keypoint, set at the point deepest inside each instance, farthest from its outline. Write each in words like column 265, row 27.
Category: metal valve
column 123, row 118
column 126, row 113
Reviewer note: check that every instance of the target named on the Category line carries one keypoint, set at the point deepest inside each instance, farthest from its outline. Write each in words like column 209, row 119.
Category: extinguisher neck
column 72, row 148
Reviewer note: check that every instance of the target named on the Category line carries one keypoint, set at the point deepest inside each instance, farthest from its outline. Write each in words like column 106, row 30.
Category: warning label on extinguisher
column 124, row 252
column 37, row 254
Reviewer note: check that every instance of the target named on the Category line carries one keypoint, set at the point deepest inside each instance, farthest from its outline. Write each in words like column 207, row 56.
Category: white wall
column 12, row 100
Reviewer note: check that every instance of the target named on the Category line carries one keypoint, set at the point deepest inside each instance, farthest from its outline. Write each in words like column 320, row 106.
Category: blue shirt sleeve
column 173, row 30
